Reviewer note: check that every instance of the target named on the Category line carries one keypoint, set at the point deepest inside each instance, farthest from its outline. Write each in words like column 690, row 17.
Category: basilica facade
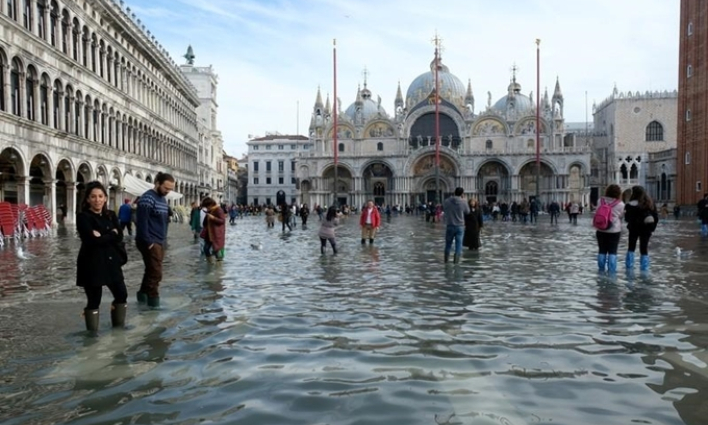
column 391, row 158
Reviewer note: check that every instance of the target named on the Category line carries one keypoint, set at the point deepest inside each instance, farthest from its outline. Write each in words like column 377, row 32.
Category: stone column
column 50, row 190
column 119, row 126
column 79, row 122
column 70, row 202
column 60, row 112
column 23, row 189
column 47, row 27
column 7, row 89
column 110, row 70
column 72, row 112
column 37, row 102
column 22, row 94
column 89, row 120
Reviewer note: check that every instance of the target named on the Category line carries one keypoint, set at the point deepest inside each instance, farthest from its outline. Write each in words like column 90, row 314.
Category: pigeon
column 681, row 253
column 257, row 246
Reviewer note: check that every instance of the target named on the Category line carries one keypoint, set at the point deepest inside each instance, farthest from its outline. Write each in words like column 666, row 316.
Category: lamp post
column 335, row 131
column 538, row 121
column 438, row 195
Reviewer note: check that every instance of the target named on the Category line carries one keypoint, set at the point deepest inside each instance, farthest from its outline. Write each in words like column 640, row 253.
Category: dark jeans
column 209, row 251
column 286, row 222
column 574, row 218
column 94, row 293
column 323, row 244
column 152, row 258
column 554, row 217
column 607, row 243
column 643, row 242
column 456, row 233
column 128, row 224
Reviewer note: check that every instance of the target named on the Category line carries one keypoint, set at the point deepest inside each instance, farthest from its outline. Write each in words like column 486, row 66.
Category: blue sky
column 272, row 54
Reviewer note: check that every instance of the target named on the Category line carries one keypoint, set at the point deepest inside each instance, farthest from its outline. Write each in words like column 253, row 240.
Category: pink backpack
column 603, row 215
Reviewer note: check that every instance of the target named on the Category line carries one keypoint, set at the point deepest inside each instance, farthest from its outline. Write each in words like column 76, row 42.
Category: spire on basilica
column 318, row 100
column 557, row 94
column 359, row 99
column 469, row 97
column 546, row 103
column 328, row 107
column 399, row 97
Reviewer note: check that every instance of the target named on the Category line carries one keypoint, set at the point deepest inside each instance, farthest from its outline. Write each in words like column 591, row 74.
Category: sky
column 272, row 55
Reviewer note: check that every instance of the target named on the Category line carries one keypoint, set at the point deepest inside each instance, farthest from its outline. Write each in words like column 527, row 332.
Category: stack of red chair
column 44, row 213
column 7, row 220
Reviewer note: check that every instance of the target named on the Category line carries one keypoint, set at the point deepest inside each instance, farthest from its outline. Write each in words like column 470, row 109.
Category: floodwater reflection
column 524, row 331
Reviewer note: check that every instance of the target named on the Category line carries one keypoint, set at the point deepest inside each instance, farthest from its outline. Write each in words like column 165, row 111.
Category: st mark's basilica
column 390, row 158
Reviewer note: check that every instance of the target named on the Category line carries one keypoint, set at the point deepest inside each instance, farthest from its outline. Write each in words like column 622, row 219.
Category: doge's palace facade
column 88, row 94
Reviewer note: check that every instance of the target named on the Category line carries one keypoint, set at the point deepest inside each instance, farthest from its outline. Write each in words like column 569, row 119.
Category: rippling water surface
column 523, row 332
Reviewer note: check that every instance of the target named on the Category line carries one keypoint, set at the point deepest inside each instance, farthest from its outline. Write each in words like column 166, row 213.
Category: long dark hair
column 643, row 200
column 90, row 186
column 331, row 213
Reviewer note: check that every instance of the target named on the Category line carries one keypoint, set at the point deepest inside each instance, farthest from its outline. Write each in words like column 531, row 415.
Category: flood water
column 524, row 332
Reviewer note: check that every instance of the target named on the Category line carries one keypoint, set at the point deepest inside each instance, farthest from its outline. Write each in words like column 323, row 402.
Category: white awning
column 137, row 187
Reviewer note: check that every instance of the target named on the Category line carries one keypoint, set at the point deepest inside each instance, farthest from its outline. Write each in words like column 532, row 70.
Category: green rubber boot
column 118, row 315
column 91, row 318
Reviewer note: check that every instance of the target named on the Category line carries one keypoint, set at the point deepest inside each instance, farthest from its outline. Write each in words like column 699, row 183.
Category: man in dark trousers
column 455, row 210
column 125, row 213
column 150, row 236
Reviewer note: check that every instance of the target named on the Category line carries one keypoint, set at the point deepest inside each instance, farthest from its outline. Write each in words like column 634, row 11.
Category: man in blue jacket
column 125, row 213
column 150, row 236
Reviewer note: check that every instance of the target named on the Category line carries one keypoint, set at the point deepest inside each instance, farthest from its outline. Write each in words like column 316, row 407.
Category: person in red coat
column 370, row 221
column 214, row 230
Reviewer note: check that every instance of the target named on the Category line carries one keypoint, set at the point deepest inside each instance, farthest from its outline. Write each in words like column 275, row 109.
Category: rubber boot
column 447, row 257
column 210, row 259
column 153, row 302
column 371, row 241
column 91, row 317
column 456, row 258
column 118, row 315
column 601, row 261
column 644, row 263
column 629, row 260
column 612, row 263
column 334, row 248
column 704, row 229
column 363, row 241
column 141, row 297
column 322, row 250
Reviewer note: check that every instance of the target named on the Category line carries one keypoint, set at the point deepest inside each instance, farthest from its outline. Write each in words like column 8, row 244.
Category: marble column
column 23, row 189
column 8, row 88
column 50, row 194
column 22, row 95
column 37, row 102
column 70, row 202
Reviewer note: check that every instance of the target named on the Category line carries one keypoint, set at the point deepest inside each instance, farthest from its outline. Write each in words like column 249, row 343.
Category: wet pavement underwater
column 525, row 331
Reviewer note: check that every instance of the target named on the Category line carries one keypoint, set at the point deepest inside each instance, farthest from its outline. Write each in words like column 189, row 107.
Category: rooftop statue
column 189, row 56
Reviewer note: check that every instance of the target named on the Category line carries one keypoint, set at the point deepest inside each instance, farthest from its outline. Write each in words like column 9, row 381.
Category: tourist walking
column 151, row 235
column 125, row 214
column 233, row 213
column 608, row 225
column 574, row 211
column 101, row 257
column 369, row 221
column 455, row 209
column 702, row 207
column 304, row 214
column 269, row 216
column 284, row 216
column 554, row 211
column 641, row 217
column 473, row 225
column 195, row 220
column 214, row 231
column 326, row 233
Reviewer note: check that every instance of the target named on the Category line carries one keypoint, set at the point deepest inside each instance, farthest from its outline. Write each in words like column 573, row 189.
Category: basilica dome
column 522, row 103
column 451, row 88
column 369, row 108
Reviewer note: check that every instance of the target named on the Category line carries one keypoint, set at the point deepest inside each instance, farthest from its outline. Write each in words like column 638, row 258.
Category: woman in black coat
column 101, row 257
column 473, row 225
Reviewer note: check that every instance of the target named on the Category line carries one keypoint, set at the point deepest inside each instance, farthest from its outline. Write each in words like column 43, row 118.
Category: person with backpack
column 641, row 217
column 608, row 225
column 702, row 208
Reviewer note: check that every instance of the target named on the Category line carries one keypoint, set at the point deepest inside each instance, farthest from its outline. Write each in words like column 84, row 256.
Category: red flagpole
column 334, row 133
column 538, row 120
column 437, row 125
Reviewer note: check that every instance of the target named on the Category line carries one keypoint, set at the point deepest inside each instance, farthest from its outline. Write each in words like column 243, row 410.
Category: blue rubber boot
column 629, row 260
column 704, row 229
column 601, row 260
column 612, row 263
column 644, row 263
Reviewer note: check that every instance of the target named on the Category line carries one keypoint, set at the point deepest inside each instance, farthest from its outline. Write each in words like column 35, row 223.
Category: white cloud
column 271, row 54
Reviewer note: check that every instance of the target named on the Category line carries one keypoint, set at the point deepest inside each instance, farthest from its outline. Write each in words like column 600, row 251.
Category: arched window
column 341, row 147
column 654, row 132
column 30, row 81
column 94, row 45
column 489, row 145
column 44, row 100
column 688, row 115
column 53, row 23
column 12, row 9
column 41, row 23
column 15, row 72
column 2, row 83
column 690, row 28
column 56, row 98
column 77, row 113
column 75, row 34
column 27, row 15
column 687, row 158
column 85, row 45
column 379, row 189
column 379, row 146
column 689, row 71
column 65, row 28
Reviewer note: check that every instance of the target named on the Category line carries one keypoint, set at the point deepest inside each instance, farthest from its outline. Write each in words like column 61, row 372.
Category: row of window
column 64, row 108
column 268, row 165
column 56, row 26
column 280, row 147
column 268, row 180
column 269, row 202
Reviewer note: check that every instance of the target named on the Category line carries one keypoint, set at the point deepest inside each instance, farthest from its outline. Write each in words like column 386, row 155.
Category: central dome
column 367, row 106
column 521, row 103
column 451, row 88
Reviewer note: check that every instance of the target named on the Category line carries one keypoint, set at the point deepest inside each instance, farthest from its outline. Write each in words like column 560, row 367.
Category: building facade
column 491, row 154
column 630, row 132
column 692, row 147
column 210, row 161
column 272, row 162
column 87, row 93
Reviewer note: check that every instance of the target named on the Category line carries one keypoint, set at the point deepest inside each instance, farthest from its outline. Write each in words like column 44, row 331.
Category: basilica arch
column 378, row 182
column 527, row 180
column 494, row 181
column 343, row 186
column 422, row 131
column 424, row 175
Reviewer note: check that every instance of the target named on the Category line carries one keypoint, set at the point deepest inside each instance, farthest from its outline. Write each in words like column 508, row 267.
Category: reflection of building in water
column 391, row 158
